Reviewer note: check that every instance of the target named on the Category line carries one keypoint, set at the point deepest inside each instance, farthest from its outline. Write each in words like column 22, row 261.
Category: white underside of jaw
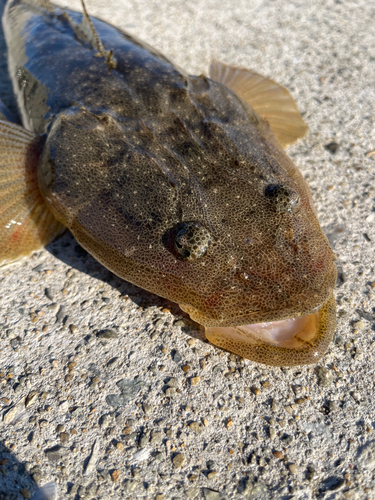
column 287, row 333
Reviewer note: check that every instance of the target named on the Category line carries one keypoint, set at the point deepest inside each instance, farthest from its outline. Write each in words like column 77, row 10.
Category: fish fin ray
column 270, row 100
column 89, row 30
column 26, row 224
column 87, row 33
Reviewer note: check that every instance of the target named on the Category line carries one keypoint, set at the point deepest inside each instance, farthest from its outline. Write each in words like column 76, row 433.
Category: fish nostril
column 282, row 197
column 188, row 240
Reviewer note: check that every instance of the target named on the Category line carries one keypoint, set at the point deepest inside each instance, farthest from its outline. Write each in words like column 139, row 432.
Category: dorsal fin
column 89, row 31
column 269, row 99
column 86, row 31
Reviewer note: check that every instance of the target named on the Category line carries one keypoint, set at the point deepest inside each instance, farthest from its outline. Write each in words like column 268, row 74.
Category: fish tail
column 26, row 224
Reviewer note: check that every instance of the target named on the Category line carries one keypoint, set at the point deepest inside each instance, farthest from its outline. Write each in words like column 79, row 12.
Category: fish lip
column 273, row 315
column 268, row 353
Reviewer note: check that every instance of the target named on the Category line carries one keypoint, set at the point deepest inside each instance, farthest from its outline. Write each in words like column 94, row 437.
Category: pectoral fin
column 25, row 222
column 269, row 99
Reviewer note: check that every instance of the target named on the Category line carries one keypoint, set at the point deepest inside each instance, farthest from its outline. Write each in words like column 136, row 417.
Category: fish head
column 208, row 213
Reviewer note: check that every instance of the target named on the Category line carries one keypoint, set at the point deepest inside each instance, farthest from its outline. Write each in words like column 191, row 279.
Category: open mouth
column 299, row 335
column 287, row 342
column 289, row 333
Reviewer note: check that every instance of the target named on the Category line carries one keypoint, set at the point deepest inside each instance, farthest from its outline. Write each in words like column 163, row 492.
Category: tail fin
column 25, row 222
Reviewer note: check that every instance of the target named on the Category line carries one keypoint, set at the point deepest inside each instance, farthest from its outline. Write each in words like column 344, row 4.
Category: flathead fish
column 176, row 183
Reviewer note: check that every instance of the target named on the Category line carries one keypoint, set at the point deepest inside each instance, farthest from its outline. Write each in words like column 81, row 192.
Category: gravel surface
column 111, row 392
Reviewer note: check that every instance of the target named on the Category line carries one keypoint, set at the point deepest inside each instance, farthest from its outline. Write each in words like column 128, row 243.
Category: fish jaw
column 290, row 342
column 279, row 338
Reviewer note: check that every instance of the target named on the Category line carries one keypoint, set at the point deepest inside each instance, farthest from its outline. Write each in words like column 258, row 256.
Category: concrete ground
column 110, row 392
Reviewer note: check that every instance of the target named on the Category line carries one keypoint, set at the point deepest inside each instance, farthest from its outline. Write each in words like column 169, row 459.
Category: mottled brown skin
column 136, row 152
column 263, row 264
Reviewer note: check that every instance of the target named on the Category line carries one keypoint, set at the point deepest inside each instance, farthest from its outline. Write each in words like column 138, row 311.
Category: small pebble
column 358, row 325
column 115, row 475
column 144, row 440
column 172, row 382
column 196, row 427
column 293, row 468
column 178, row 460
column 333, row 406
column 107, row 335
column 112, row 362
column 325, row 377
column 194, row 380
column 136, row 472
column 15, row 413
column 156, row 437
column 192, row 492
column 31, row 398
column 203, row 363
column 64, row 436
column 91, row 464
column 54, row 454
column 147, row 408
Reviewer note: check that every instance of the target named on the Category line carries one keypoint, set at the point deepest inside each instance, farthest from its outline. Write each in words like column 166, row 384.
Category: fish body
column 174, row 182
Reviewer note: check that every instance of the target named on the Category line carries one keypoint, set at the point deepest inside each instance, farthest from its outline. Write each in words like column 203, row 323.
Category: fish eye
column 283, row 197
column 190, row 240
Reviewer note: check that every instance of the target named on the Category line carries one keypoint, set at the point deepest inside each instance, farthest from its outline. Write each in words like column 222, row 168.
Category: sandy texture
column 123, row 398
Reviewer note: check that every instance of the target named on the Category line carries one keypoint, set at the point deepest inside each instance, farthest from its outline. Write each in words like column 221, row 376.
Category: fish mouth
column 282, row 338
column 289, row 342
